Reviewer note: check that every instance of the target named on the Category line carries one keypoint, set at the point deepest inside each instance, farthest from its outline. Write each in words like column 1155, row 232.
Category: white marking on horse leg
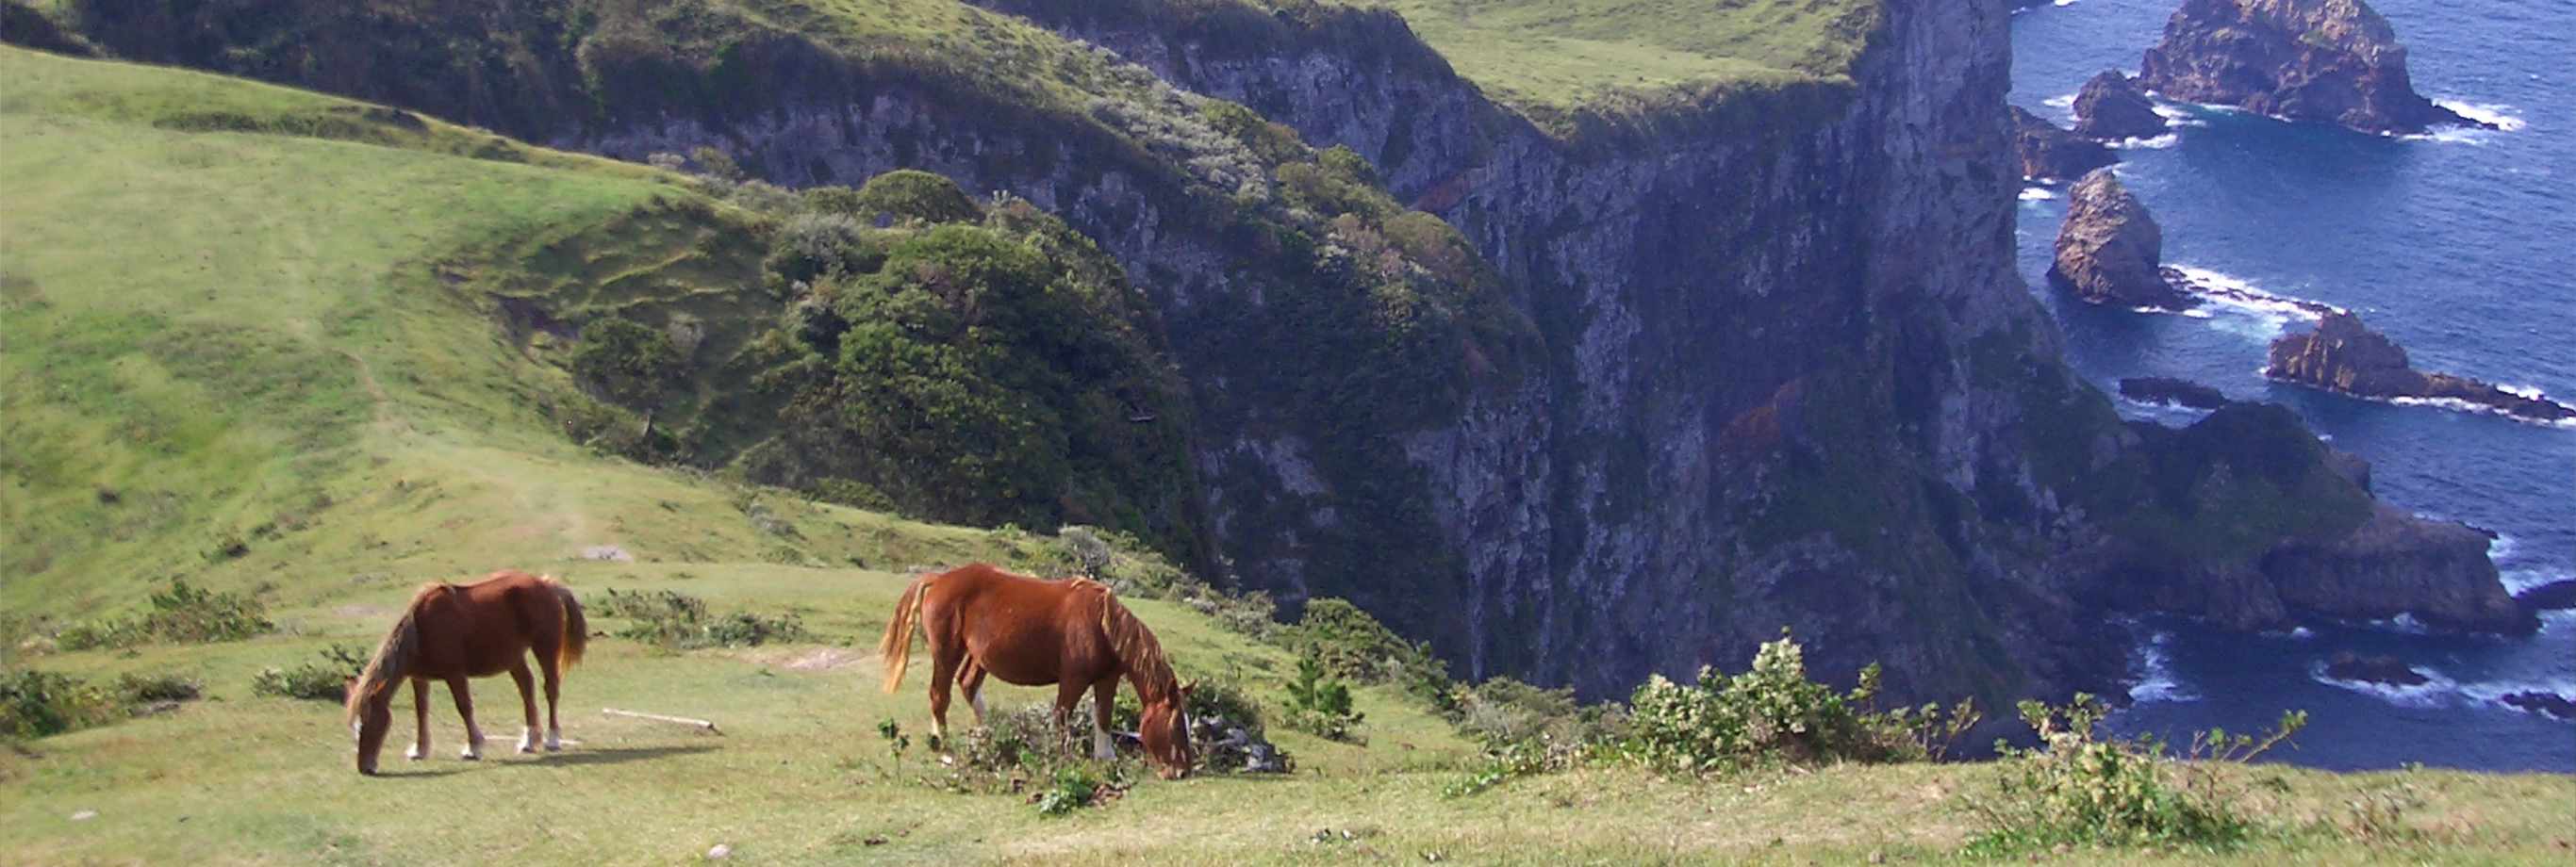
column 416, row 752
column 554, row 739
column 473, row 745
column 976, row 700
column 1100, row 746
column 939, row 729
column 528, row 739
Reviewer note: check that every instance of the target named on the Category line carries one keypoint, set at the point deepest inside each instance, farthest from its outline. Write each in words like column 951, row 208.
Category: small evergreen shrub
column 1772, row 714
column 181, row 614
column 1349, row 643
column 145, row 690
column 681, row 622
column 1320, row 705
column 1021, row 752
column 324, row 678
column 911, row 194
column 626, row 362
column 2079, row 788
column 34, row 704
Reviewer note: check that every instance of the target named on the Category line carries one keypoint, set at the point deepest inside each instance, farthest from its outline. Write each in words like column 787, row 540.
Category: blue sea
column 2462, row 247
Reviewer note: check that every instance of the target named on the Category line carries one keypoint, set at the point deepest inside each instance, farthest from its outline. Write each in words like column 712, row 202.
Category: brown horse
column 1032, row 632
column 452, row 632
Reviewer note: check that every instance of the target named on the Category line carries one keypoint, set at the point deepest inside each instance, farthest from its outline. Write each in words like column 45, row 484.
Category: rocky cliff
column 2047, row 152
column 2343, row 355
column 2109, row 251
column 2110, row 106
column 2322, row 60
column 1709, row 363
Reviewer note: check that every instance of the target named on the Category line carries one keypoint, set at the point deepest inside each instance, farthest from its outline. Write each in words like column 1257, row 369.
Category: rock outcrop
column 2109, row 250
column 2345, row 356
column 2439, row 569
column 2111, row 107
column 2553, row 596
column 2548, row 704
column 2168, row 390
column 2384, row 670
column 2047, row 152
column 2320, row 60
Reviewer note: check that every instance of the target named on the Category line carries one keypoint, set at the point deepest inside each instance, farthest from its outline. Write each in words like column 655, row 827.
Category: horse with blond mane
column 981, row 620
column 453, row 632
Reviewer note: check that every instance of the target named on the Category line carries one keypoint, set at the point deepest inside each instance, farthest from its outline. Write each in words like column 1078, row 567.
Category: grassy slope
column 232, row 329
column 1566, row 53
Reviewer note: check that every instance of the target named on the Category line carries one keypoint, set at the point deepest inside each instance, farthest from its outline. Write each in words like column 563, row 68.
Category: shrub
column 181, row 614
column 911, row 194
column 1071, row 789
column 323, row 679
column 1020, row 749
column 143, row 690
column 680, row 621
column 1350, row 643
column 1774, row 714
column 34, row 704
column 2080, row 789
column 1320, row 705
column 626, row 362
column 809, row 246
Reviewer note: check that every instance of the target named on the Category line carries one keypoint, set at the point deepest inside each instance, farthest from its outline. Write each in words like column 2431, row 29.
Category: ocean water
column 2462, row 247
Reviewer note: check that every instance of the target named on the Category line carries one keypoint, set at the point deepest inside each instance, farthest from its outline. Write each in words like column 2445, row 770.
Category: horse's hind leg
column 456, row 689
column 1067, row 692
column 974, row 686
column 420, row 720
column 549, row 666
column 527, row 701
column 943, row 671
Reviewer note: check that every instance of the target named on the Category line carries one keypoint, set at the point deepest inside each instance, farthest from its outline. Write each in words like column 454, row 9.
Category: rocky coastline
column 2335, row 61
column 2047, row 152
column 2344, row 356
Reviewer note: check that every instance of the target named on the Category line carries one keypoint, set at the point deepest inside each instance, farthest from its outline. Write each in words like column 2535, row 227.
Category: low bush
column 180, row 614
column 1320, row 705
column 1350, row 643
column 1021, row 752
column 680, row 621
column 322, row 679
column 2080, row 788
column 35, row 704
column 1772, row 714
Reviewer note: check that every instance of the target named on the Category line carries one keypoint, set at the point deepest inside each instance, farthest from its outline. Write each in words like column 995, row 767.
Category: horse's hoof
column 415, row 754
column 470, row 756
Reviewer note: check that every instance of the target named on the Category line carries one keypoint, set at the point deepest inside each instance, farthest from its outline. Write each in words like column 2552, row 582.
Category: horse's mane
column 1137, row 650
column 394, row 658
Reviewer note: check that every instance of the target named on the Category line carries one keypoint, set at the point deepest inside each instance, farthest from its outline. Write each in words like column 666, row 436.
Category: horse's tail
column 394, row 657
column 896, row 647
column 576, row 628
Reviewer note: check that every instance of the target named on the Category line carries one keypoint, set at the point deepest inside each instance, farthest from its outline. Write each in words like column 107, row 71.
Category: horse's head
column 1164, row 726
column 370, row 717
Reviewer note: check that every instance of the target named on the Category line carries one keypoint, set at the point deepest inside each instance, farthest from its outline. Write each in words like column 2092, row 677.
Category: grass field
column 1567, row 53
column 239, row 314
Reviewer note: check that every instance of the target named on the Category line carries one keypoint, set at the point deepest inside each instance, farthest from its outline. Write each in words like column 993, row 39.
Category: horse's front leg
column 1104, row 697
column 456, row 689
column 420, row 720
column 1067, row 692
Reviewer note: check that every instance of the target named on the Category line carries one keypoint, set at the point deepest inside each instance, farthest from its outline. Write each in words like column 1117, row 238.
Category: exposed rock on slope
column 2048, row 152
column 2112, row 107
column 2109, row 251
column 2324, row 60
column 2343, row 355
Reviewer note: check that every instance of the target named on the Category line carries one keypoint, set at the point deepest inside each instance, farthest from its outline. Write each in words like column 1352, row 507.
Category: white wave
column 2501, row 546
column 2156, row 681
column 2451, row 135
column 2302, row 633
column 2457, row 405
column 2404, row 622
column 2494, row 691
column 2174, row 112
column 2499, row 116
column 2518, row 580
column 2430, row 693
column 2233, row 291
column 2158, row 143
column 2037, row 194
column 2065, row 2
column 2060, row 101
column 2529, row 391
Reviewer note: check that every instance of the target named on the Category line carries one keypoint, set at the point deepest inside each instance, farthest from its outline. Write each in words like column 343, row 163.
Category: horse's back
column 1024, row 630
column 486, row 627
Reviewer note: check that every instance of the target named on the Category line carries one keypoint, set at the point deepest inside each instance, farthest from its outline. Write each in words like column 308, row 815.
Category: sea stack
column 2048, row 152
column 2108, row 249
column 2112, row 107
column 2345, row 356
column 2321, row 60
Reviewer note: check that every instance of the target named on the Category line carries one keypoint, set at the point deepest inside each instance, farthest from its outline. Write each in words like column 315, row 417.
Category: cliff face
column 1763, row 357
column 2327, row 60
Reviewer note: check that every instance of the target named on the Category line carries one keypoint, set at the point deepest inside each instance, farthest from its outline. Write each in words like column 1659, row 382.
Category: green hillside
column 1560, row 54
column 256, row 338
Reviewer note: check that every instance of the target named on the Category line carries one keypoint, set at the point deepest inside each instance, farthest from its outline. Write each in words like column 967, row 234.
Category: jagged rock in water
column 2398, row 563
column 2108, row 249
column 2322, row 60
column 2553, row 596
column 2387, row 670
column 2048, row 152
column 2178, row 392
column 2112, row 107
column 2343, row 355
column 2544, row 703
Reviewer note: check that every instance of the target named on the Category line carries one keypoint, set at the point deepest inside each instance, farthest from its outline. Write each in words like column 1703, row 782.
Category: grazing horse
column 452, row 632
column 1032, row 632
